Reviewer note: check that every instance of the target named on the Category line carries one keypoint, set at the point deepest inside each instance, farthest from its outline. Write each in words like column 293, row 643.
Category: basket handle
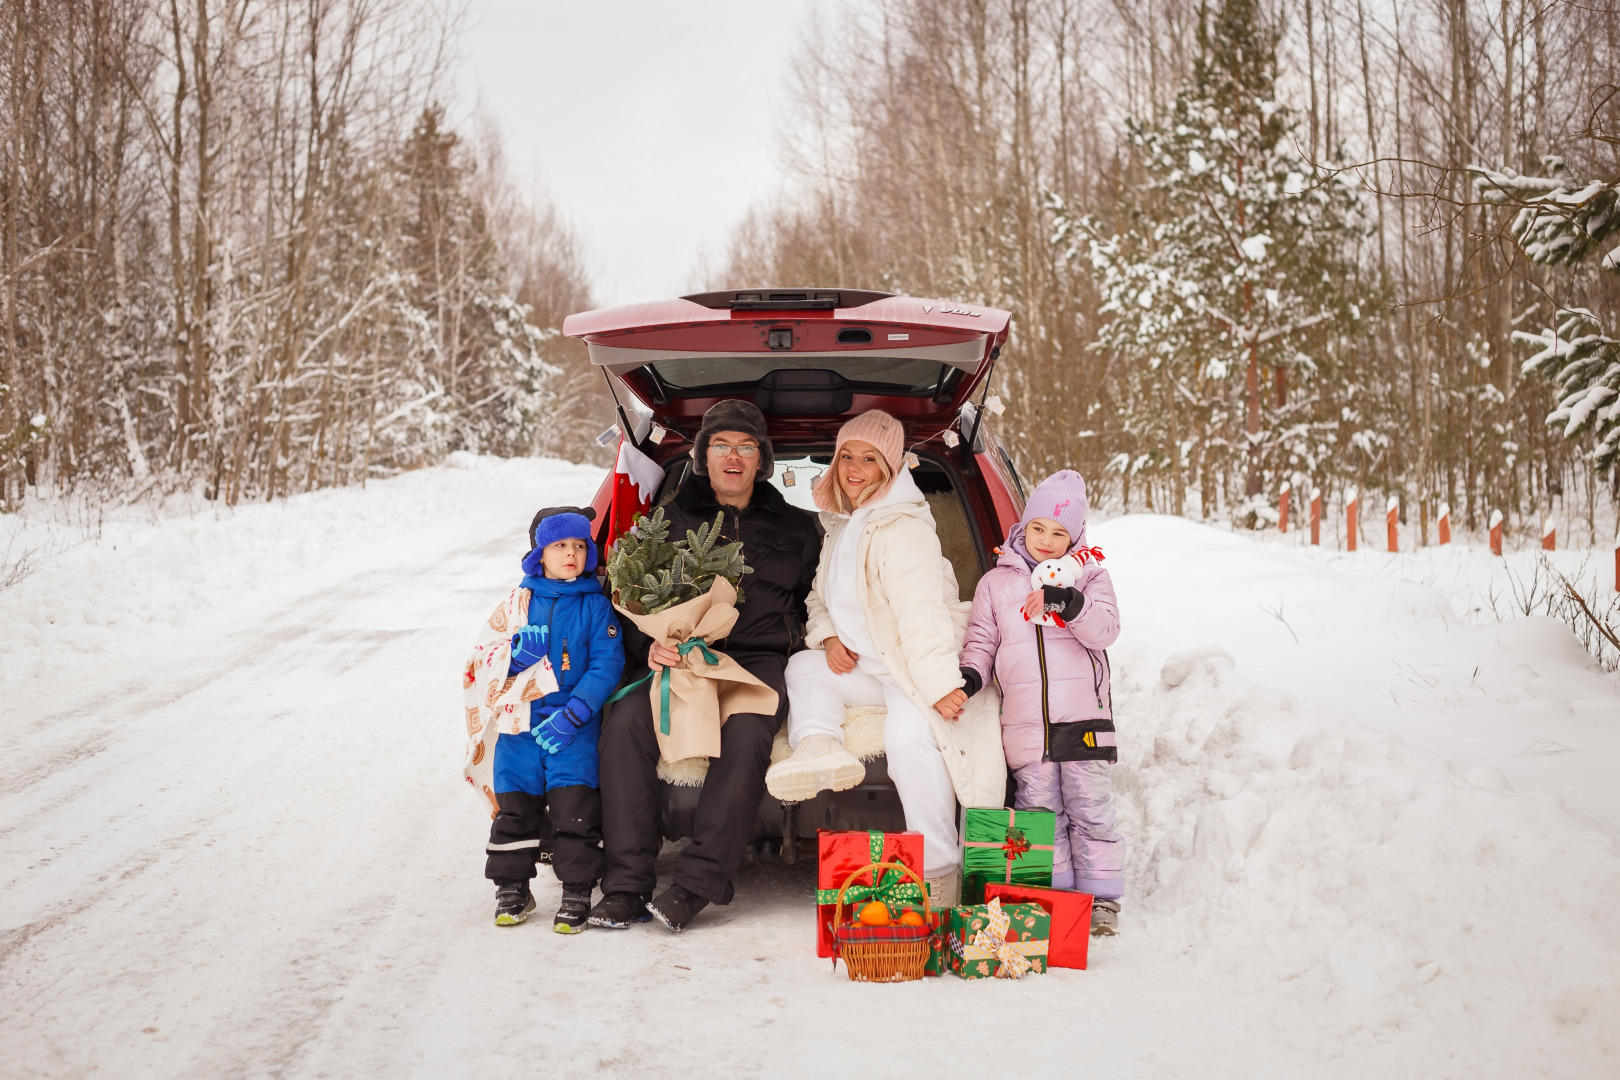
column 877, row 868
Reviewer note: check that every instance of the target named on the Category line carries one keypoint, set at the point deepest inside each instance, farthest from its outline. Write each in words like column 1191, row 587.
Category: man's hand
column 951, row 704
column 840, row 659
column 661, row 656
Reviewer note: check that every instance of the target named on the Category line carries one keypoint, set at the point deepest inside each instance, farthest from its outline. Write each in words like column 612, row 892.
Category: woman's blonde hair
column 840, row 497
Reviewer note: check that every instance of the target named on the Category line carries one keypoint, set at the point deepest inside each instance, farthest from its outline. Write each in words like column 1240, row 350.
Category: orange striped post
column 1316, row 517
column 1549, row 534
column 1496, row 532
column 1282, row 508
column 1392, row 515
column 1445, row 523
column 1351, row 505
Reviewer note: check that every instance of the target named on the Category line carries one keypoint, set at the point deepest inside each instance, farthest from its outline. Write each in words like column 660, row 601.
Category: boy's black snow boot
column 616, row 911
column 513, row 902
column 675, row 907
column 575, row 909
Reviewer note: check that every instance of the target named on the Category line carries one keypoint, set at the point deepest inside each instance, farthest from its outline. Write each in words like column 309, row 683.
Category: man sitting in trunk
column 730, row 457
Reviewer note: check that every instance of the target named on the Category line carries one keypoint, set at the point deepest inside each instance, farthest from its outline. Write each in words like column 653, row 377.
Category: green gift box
column 996, row 941
column 1011, row 846
column 939, row 947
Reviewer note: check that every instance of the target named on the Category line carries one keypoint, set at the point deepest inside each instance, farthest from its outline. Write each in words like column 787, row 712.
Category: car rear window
column 894, row 374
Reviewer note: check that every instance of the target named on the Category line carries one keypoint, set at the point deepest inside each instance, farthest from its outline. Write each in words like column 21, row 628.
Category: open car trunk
column 810, row 359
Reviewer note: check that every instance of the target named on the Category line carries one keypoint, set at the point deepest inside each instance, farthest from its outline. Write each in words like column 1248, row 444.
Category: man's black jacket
column 782, row 545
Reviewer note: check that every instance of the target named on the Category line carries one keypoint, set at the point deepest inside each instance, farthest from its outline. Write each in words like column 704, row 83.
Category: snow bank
column 1356, row 809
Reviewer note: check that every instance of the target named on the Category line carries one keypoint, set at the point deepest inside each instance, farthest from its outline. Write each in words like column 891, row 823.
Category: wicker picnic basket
column 881, row 953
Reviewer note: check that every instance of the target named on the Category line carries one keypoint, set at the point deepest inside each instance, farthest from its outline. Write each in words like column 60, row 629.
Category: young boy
column 553, row 766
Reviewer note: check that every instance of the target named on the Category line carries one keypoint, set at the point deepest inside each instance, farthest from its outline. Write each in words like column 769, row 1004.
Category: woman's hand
column 840, row 659
column 1034, row 605
column 661, row 656
column 951, row 704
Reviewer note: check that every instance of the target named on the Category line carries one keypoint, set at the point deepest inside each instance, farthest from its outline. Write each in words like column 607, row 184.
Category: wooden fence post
column 1316, row 517
column 1282, row 508
column 1549, row 534
column 1351, row 505
column 1445, row 523
column 1393, row 517
column 1496, row 532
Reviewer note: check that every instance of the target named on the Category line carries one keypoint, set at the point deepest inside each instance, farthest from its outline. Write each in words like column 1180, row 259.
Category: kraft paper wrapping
column 701, row 695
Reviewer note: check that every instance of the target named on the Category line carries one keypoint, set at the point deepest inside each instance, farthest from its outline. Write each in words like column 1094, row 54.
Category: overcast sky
column 649, row 122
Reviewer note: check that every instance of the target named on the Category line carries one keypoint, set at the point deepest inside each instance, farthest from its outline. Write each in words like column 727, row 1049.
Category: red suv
column 810, row 359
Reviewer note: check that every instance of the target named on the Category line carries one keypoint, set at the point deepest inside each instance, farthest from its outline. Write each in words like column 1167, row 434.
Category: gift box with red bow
column 840, row 854
column 989, row 940
column 1071, row 919
column 1011, row 846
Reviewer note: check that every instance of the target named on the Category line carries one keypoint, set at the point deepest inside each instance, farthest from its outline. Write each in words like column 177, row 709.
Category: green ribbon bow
column 890, row 886
column 663, row 680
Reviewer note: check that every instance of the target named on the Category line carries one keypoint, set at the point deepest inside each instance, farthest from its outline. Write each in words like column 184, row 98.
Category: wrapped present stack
column 1013, row 847
column 1071, row 919
column 989, row 940
column 840, row 854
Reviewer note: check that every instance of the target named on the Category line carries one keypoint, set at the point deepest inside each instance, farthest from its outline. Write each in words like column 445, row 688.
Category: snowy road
column 234, row 841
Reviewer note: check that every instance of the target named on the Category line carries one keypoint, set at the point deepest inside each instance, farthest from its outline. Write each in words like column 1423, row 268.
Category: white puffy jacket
column 916, row 620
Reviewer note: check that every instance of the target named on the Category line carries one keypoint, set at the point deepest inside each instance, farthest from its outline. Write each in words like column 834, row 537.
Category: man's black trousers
column 521, row 829
column 727, row 807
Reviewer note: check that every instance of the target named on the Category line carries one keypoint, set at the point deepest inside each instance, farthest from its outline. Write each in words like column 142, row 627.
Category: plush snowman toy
column 1060, row 573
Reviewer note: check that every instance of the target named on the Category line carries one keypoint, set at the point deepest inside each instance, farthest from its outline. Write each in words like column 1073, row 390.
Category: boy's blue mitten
column 559, row 727
column 528, row 648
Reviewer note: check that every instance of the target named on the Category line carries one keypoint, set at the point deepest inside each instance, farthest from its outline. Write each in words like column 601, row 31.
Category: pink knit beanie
column 880, row 430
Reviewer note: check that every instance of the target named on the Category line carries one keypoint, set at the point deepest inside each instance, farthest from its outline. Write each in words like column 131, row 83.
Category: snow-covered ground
column 1373, row 829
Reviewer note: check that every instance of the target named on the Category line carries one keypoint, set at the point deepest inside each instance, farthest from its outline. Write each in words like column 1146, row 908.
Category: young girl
column 1057, row 724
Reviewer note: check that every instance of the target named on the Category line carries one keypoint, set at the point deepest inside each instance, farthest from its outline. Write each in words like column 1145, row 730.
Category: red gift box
column 840, row 854
column 1071, row 919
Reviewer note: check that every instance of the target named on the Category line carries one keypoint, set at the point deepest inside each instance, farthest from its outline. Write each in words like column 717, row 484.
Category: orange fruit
column 874, row 914
column 910, row 917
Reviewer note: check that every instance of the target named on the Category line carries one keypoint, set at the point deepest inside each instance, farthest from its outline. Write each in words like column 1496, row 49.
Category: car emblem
column 927, row 308
column 958, row 311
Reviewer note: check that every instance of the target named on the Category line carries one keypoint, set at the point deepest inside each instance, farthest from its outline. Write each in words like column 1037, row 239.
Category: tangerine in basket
column 874, row 914
column 911, row 917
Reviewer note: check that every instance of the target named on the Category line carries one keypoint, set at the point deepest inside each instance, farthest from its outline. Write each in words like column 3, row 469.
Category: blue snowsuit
column 582, row 639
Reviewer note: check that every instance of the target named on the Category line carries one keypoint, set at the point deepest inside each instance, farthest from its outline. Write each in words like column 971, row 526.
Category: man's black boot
column 616, row 911
column 675, row 907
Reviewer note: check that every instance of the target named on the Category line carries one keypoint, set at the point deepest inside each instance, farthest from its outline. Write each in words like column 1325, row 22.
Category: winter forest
column 1345, row 244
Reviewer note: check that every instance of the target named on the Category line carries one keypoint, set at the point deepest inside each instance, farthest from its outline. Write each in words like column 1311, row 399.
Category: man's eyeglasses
column 721, row 450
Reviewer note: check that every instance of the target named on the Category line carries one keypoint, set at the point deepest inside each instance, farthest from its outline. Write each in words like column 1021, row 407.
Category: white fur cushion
column 863, row 737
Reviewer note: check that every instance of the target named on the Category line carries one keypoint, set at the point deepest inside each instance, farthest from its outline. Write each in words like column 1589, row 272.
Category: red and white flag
column 635, row 480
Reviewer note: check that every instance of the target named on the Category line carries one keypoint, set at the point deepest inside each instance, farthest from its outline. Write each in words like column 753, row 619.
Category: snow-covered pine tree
column 1563, row 222
column 1233, row 254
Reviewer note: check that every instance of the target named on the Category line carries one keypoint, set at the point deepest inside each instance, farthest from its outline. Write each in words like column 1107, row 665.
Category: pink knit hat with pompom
column 880, row 430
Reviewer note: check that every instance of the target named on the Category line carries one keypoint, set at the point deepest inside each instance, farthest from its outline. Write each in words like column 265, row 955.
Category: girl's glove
column 558, row 729
column 528, row 648
column 1063, row 601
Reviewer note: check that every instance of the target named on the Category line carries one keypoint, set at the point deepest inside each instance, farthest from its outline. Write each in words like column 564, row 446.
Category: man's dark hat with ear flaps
column 732, row 415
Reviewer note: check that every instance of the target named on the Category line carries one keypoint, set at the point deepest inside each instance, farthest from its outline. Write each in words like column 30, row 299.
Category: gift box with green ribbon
column 939, row 942
column 989, row 940
column 840, row 854
column 1012, row 846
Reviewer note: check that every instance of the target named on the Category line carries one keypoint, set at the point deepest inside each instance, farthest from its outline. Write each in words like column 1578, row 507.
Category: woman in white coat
column 885, row 628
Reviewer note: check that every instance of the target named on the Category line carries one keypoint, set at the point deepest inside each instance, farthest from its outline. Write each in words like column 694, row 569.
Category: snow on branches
column 1563, row 222
column 1233, row 256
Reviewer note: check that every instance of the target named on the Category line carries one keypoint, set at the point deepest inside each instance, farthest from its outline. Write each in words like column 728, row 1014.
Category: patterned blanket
column 497, row 703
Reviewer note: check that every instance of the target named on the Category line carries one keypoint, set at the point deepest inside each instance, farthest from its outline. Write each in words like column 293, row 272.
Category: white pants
column 817, row 698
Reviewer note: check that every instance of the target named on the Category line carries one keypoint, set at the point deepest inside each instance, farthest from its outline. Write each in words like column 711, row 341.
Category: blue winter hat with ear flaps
column 556, row 523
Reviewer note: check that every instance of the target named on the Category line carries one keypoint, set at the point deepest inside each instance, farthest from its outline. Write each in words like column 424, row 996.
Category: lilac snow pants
column 1090, row 855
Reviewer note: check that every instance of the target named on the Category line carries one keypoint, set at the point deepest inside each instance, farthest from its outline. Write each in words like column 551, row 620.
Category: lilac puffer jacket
column 1069, row 684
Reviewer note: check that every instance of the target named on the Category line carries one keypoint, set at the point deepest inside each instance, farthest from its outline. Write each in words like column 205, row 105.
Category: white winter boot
column 945, row 891
column 820, row 763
